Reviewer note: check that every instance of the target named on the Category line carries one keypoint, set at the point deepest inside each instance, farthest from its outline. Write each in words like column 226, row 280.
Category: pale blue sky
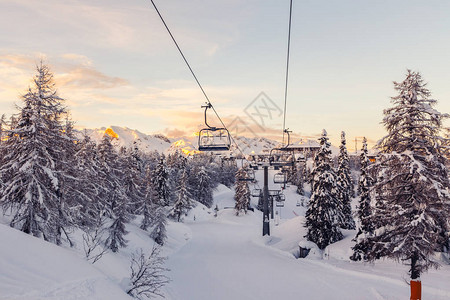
column 116, row 65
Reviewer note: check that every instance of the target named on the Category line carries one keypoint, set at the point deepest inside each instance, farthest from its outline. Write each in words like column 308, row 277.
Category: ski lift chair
column 279, row 200
column 281, row 157
column 250, row 175
column 280, row 178
column 274, row 192
column 256, row 192
column 279, row 204
column 213, row 138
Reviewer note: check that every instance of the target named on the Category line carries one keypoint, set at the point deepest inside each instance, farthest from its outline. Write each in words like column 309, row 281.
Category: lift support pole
column 266, row 224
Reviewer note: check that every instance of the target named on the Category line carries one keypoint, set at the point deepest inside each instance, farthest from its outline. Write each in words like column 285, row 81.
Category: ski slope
column 227, row 258
column 31, row 269
column 223, row 257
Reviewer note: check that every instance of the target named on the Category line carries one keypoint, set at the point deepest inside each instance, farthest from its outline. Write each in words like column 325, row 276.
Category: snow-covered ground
column 223, row 257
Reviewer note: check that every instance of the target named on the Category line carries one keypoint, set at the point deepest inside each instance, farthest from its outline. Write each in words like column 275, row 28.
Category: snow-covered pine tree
column 298, row 178
column 183, row 203
column 322, row 216
column 242, row 192
column 68, row 179
column 149, row 201
column 90, row 188
column 364, row 212
column 344, row 186
column 161, row 184
column 158, row 233
column 34, row 160
column 227, row 173
column 2, row 127
column 446, row 145
column 132, row 166
column 114, row 198
column 412, row 185
column 205, row 190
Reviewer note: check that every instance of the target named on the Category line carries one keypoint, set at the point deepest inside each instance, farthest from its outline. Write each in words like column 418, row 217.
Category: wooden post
column 416, row 290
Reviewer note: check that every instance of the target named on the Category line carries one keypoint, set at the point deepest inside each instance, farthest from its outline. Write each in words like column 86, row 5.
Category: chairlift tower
column 266, row 221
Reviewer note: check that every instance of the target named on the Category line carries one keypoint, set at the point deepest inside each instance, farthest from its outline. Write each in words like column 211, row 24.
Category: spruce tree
column 90, row 188
column 161, row 183
column 344, row 186
column 364, row 212
column 159, row 234
column 35, row 165
column 322, row 215
column 412, row 185
column 133, row 181
column 183, row 203
column 114, row 199
column 242, row 192
column 205, row 191
column 149, row 201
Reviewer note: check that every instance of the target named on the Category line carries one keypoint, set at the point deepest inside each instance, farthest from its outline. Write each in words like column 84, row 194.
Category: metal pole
column 271, row 207
column 266, row 224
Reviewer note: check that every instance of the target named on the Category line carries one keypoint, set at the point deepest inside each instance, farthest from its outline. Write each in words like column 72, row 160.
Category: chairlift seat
column 250, row 176
column 256, row 192
column 274, row 192
column 280, row 177
column 213, row 138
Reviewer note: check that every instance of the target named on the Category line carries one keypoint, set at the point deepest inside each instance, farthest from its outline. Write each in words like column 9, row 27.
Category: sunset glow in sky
column 116, row 65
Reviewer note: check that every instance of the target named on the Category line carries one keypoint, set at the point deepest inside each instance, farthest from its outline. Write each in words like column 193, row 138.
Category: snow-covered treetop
column 412, row 120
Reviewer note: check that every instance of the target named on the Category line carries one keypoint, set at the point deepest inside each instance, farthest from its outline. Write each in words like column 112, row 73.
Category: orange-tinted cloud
column 87, row 77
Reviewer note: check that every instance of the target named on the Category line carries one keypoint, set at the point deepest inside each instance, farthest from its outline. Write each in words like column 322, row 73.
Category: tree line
column 404, row 201
column 54, row 179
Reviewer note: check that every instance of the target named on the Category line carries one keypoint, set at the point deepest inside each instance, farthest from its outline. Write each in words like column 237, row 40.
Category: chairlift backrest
column 280, row 178
column 250, row 175
column 274, row 192
column 214, row 139
column 256, row 192
column 281, row 157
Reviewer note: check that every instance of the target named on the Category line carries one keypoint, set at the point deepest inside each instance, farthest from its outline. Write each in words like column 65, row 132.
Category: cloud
column 88, row 78
column 175, row 132
column 78, row 58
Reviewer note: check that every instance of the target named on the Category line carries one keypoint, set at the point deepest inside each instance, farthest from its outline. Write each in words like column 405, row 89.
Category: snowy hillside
column 212, row 258
column 126, row 137
column 33, row 269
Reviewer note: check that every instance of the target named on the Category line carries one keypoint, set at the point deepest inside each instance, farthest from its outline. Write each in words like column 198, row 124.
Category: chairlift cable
column 193, row 74
column 287, row 68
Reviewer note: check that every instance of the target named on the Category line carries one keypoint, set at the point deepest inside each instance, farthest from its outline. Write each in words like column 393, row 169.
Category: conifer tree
column 242, row 192
column 161, row 177
column 133, row 178
column 90, row 188
column 158, row 233
column 2, row 127
column 205, row 191
column 183, row 203
column 344, row 186
column 364, row 212
column 114, row 198
column 412, row 185
column 322, row 216
column 149, row 201
column 33, row 169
